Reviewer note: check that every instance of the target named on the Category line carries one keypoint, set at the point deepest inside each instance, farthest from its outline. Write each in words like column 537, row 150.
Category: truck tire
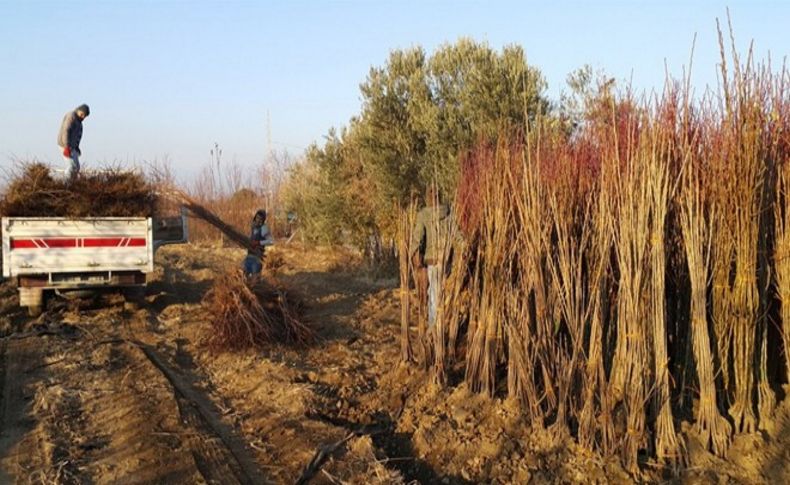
column 133, row 298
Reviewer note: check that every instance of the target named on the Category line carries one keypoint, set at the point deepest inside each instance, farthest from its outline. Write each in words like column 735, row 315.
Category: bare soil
column 91, row 393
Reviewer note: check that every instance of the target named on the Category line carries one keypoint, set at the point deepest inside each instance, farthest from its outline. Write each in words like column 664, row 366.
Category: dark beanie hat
column 84, row 108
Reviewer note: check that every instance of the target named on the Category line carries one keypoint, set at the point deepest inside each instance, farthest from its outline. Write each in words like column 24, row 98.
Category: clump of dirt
column 359, row 464
column 464, row 437
column 762, row 457
column 34, row 192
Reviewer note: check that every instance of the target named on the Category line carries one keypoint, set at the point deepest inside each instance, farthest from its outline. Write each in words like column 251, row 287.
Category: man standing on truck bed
column 260, row 237
column 69, row 139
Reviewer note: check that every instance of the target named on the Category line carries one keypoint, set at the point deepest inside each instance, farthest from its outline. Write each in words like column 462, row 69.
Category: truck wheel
column 35, row 311
column 132, row 298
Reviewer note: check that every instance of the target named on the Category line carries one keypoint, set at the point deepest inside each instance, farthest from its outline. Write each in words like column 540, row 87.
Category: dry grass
column 235, row 193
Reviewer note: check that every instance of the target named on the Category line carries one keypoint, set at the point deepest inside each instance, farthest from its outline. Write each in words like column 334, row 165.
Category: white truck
column 68, row 256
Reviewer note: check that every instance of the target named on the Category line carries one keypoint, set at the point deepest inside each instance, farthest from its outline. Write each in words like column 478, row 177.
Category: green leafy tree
column 329, row 192
column 419, row 114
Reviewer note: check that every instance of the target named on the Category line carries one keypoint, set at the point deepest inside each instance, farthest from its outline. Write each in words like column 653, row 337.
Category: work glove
column 67, row 152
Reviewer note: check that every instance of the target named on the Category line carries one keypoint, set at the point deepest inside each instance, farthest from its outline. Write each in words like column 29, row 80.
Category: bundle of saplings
column 33, row 191
column 251, row 313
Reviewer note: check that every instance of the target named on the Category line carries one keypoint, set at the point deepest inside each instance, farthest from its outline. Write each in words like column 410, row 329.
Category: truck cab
column 61, row 255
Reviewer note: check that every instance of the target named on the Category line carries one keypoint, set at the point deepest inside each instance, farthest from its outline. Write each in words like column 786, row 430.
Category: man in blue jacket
column 260, row 238
column 69, row 139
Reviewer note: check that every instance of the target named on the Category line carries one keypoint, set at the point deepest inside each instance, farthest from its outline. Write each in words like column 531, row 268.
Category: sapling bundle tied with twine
column 406, row 219
column 697, row 215
column 781, row 148
column 451, row 305
column 531, row 365
column 487, row 316
column 623, row 275
column 250, row 313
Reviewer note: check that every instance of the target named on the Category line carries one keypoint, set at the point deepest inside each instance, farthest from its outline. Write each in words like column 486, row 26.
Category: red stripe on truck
column 58, row 243
column 101, row 242
column 23, row 244
column 88, row 242
column 110, row 242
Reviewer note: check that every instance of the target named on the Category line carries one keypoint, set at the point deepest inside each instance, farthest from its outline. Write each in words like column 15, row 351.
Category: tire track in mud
column 3, row 386
column 4, row 394
column 219, row 454
column 30, row 449
column 134, row 425
column 106, row 407
column 66, row 419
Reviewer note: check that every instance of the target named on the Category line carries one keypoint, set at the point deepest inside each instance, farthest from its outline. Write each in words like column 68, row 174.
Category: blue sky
column 171, row 78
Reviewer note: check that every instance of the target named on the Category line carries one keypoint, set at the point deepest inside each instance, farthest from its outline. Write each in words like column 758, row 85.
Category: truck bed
column 42, row 246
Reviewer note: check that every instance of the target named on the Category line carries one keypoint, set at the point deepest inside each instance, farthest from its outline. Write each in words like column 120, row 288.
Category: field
column 472, row 283
column 93, row 394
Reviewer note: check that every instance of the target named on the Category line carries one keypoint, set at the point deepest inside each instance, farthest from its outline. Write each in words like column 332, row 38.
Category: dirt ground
column 95, row 394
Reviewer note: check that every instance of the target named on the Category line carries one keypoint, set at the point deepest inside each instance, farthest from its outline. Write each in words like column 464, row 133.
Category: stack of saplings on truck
column 95, row 232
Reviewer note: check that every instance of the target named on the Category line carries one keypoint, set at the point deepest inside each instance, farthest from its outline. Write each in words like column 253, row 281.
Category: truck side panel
column 56, row 245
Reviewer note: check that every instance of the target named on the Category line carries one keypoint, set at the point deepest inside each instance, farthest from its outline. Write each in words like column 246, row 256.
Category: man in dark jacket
column 433, row 231
column 69, row 139
column 260, row 238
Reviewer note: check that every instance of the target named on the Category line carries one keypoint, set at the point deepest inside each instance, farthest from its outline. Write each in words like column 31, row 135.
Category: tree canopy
column 419, row 113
